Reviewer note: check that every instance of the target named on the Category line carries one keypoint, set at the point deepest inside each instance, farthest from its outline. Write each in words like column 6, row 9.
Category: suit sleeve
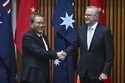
column 108, row 52
column 36, row 50
column 72, row 43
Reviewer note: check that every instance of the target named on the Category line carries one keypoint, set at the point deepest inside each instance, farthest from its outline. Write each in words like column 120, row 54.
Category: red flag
column 101, row 5
column 109, row 80
column 26, row 7
column 102, row 19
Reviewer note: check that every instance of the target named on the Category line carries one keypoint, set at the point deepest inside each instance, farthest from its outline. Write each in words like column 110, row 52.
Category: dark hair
column 32, row 17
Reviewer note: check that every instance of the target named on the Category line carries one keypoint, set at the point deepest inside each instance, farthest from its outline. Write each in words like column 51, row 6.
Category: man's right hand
column 61, row 55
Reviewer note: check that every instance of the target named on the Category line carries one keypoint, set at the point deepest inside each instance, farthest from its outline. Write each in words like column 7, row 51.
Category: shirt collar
column 94, row 26
column 38, row 34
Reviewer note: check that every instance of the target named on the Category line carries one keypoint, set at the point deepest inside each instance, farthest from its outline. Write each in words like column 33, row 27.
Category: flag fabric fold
column 7, row 49
column 63, row 21
column 26, row 7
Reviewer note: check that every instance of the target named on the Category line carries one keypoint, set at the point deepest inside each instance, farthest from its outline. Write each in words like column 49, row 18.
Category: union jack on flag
column 7, row 49
column 6, row 7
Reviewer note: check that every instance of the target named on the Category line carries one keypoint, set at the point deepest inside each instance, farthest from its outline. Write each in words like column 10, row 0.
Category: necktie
column 89, row 36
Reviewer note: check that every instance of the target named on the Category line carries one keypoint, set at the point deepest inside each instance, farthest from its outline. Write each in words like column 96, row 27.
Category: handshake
column 61, row 55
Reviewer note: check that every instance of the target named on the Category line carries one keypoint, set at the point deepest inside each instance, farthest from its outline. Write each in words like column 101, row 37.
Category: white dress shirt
column 90, row 33
column 45, row 44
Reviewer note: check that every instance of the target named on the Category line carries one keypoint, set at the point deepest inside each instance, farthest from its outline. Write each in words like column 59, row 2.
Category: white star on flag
column 1, row 22
column 67, row 21
column 57, row 62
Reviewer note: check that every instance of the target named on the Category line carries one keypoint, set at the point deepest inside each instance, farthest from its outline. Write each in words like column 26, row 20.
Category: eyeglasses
column 88, row 15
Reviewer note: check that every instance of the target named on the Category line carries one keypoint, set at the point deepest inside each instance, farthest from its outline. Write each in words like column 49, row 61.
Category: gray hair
column 97, row 10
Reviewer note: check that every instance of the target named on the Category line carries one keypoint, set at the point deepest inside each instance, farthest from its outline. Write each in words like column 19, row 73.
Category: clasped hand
column 61, row 55
column 103, row 76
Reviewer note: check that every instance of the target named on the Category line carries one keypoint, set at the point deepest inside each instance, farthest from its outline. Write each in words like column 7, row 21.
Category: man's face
column 90, row 16
column 39, row 23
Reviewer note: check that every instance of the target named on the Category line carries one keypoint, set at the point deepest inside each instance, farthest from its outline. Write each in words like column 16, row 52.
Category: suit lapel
column 94, row 37
column 36, row 36
column 85, row 38
column 39, row 39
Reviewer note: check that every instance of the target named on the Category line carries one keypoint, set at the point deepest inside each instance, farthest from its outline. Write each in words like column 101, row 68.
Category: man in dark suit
column 96, row 48
column 36, row 53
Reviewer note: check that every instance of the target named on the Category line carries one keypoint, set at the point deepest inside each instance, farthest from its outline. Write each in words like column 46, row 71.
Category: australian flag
column 7, row 51
column 65, row 35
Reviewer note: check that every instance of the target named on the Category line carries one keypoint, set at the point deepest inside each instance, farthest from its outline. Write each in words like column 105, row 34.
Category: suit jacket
column 98, row 58
column 35, row 58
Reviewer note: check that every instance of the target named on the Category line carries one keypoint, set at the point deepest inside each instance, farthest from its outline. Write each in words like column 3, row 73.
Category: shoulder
column 104, row 27
column 29, row 34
